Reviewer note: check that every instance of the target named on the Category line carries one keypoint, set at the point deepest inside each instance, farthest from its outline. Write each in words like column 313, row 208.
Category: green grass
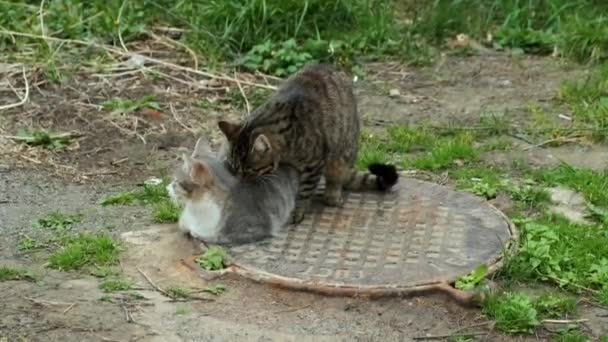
column 13, row 273
column 572, row 336
column 278, row 36
column 518, row 313
column 84, row 250
column 115, row 285
column 555, row 305
column 372, row 149
column 166, row 212
column 213, row 259
column 182, row 310
column 275, row 35
column 44, row 138
column 28, row 244
column 576, row 28
column 147, row 194
column 216, row 289
column 555, row 250
column 177, row 292
column 513, row 312
column 473, row 279
column 588, row 100
column 592, row 184
column 405, row 139
column 482, row 181
column 58, row 221
column 127, row 106
column 446, row 152
column 416, row 146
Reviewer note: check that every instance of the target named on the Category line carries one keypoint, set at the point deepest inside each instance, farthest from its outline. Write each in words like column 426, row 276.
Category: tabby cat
column 221, row 208
column 311, row 123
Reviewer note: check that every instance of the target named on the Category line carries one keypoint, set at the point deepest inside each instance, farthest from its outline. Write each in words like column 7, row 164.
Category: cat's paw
column 334, row 200
column 297, row 215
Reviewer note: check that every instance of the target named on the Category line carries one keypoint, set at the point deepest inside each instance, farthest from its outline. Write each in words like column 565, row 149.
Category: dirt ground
column 116, row 151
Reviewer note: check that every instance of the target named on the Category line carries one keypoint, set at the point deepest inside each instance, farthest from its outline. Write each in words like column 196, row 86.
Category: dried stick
column 180, row 44
column 156, row 287
column 179, row 121
column 564, row 321
column 69, row 308
column 546, row 142
column 53, row 136
column 122, row 43
column 442, row 337
column 46, row 302
column 41, row 16
column 23, row 99
column 243, row 94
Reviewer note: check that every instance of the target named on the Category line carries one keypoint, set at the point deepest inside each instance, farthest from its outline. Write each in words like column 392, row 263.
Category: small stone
column 504, row 83
column 136, row 61
column 394, row 93
column 569, row 203
column 153, row 181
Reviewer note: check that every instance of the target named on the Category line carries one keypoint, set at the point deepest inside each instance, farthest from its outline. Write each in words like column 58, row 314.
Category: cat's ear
column 202, row 148
column 230, row 129
column 200, row 174
column 261, row 144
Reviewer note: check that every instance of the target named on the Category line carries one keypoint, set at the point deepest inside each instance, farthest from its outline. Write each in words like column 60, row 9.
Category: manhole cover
column 418, row 235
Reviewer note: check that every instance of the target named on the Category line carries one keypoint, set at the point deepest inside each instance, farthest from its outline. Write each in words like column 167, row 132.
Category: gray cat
column 221, row 208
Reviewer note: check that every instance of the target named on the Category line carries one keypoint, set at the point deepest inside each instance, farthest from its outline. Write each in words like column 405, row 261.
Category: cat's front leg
column 306, row 189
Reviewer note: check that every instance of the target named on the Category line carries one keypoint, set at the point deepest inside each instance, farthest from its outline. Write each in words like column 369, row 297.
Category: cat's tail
column 379, row 177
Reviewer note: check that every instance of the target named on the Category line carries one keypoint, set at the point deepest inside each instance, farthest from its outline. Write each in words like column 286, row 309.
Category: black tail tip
column 386, row 175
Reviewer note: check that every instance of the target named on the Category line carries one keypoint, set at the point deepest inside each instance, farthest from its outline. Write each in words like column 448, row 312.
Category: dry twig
column 69, row 308
column 179, row 121
column 442, row 337
column 122, row 42
column 46, row 302
column 156, row 287
column 564, row 321
column 549, row 141
column 23, row 99
column 243, row 94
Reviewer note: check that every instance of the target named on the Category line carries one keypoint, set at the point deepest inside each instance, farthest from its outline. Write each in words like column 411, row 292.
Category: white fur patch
column 202, row 218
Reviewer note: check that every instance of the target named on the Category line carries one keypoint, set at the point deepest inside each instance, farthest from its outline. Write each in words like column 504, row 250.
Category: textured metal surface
column 418, row 234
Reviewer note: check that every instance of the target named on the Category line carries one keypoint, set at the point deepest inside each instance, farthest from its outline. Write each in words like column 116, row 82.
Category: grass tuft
column 216, row 289
column 178, row 292
column 126, row 106
column 148, row 194
column 166, row 212
column 588, row 100
column 58, row 221
column 213, row 259
column 13, row 273
column 556, row 250
column 555, row 305
column 513, row 312
column 44, row 138
column 446, row 152
column 115, row 285
column 84, row 250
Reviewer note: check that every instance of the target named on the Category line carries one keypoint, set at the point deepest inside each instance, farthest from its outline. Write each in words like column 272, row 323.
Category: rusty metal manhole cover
column 418, row 235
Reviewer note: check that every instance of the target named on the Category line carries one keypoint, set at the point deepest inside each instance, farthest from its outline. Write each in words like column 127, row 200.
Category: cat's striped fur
column 312, row 123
